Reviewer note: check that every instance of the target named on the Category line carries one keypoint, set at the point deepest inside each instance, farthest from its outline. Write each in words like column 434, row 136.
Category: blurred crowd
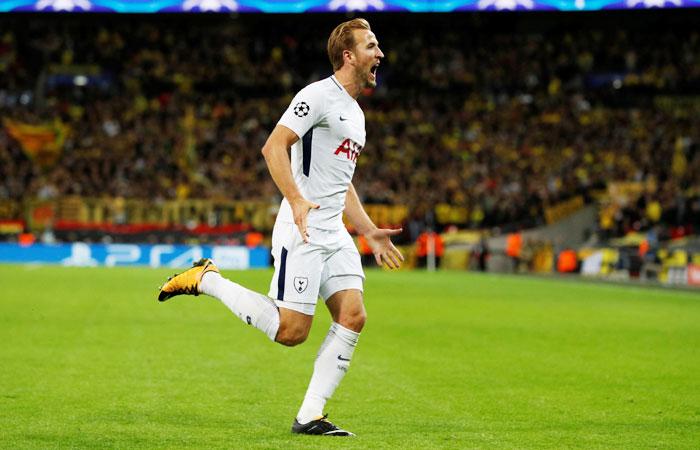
column 502, row 123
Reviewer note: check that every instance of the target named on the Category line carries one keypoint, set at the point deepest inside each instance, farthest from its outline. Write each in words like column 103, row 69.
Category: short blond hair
column 342, row 39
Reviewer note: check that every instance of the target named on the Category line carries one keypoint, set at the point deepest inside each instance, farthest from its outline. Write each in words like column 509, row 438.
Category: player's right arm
column 276, row 153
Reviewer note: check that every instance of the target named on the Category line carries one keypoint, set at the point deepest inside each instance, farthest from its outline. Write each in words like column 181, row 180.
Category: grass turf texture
column 449, row 360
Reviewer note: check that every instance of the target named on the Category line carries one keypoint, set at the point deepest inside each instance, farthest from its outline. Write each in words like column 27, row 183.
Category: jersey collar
column 340, row 86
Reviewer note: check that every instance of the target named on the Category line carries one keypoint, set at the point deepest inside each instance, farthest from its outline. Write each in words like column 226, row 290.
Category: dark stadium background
column 521, row 141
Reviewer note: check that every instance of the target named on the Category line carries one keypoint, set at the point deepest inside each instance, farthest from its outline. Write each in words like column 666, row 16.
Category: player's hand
column 379, row 240
column 300, row 209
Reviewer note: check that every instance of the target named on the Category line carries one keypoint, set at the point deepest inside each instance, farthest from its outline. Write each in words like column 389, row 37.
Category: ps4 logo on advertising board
column 111, row 255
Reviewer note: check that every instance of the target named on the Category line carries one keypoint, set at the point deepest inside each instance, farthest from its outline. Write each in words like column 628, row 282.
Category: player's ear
column 348, row 55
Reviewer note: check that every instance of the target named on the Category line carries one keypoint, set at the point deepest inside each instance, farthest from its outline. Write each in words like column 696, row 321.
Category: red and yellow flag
column 42, row 143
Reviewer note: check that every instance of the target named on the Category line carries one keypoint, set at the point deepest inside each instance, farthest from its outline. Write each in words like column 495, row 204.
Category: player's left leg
column 333, row 359
column 342, row 284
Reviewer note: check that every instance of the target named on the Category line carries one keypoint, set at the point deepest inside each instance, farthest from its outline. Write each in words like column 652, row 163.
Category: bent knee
column 355, row 321
column 294, row 327
column 291, row 336
column 291, row 341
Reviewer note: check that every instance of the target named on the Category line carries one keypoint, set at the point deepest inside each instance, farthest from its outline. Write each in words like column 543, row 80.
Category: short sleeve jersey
column 331, row 130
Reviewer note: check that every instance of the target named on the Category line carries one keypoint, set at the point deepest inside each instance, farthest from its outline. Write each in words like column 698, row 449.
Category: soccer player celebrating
column 313, row 252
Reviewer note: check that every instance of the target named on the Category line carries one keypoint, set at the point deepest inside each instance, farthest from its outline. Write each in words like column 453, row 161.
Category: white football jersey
column 331, row 129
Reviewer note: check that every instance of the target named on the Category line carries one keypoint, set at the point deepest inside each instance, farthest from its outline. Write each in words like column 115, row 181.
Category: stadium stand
column 158, row 123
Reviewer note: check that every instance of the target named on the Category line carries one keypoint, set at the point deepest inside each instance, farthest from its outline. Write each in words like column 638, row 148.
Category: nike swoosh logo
column 343, row 359
column 343, row 119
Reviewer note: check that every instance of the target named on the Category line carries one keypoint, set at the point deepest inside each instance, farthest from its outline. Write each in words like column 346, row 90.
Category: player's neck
column 348, row 81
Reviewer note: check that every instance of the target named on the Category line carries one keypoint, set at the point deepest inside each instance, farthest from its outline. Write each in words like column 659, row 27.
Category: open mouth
column 373, row 69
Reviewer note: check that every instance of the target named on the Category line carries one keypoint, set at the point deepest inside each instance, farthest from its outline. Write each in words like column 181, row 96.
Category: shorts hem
column 305, row 308
column 341, row 283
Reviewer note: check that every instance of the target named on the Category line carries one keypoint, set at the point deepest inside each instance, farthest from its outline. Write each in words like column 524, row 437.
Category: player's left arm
column 379, row 239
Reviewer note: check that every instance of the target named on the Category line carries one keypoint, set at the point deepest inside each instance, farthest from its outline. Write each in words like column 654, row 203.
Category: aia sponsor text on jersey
column 350, row 148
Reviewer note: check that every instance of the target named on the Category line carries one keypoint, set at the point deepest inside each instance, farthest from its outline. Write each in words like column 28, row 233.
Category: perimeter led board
column 296, row 6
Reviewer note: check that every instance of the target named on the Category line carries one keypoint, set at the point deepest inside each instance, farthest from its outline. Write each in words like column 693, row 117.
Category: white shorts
column 328, row 263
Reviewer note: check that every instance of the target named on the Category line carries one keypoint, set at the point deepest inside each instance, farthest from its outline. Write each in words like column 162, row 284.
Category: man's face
column 368, row 55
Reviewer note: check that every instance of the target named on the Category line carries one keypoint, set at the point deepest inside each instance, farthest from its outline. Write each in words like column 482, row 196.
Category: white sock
column 252, row 308
column 331, row 364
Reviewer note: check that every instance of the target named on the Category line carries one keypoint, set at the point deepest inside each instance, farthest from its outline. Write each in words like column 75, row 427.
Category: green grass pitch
column 90, row 359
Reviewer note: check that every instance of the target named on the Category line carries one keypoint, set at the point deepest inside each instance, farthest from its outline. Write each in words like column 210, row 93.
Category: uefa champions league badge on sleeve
column 302, row 109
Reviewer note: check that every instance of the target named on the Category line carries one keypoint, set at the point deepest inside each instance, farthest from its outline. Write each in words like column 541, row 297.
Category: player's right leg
column 295, row 283
column 288, row 327
column 294, row 327
column 187, row 282
column 251, row 307
column 295, row 287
